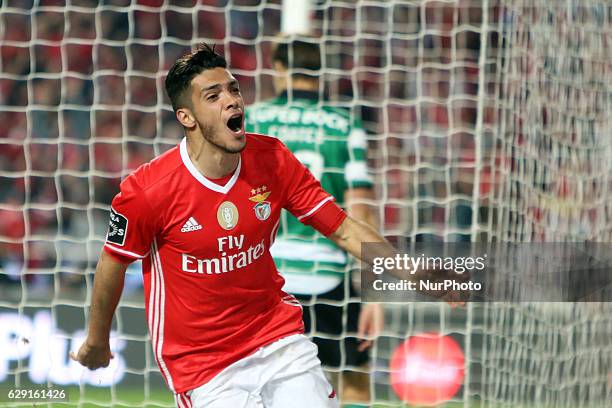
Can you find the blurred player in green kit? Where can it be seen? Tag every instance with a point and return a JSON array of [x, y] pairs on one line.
[[332, 144]]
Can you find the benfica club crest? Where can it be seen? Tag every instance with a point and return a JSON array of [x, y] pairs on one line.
[[262, 208]]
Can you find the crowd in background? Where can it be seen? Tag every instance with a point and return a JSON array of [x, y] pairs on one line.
[[82, 104]]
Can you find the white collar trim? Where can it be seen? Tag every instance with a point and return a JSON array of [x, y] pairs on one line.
[[198, 176]]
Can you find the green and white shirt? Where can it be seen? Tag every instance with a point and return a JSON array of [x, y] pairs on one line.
[[333, 147]]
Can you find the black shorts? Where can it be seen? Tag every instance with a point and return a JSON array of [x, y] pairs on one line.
[[323, 323]]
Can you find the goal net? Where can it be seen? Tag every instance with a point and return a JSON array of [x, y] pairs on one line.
[[550, 154], [485, 120]]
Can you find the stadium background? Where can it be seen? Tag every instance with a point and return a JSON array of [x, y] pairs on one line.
[[486, 120]]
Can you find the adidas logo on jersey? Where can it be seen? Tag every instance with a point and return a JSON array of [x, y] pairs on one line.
[[191, 225]]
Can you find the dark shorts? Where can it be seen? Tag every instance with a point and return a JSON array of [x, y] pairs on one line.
[[324, 325]]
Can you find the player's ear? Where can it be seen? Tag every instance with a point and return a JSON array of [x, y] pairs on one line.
[[280, 77], [185, 117], [278, 66]]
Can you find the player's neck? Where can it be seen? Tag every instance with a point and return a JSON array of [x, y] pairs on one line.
[[211, 162], [308, 85], [299, 84]]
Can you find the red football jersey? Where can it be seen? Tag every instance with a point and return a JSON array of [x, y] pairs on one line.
[[212, 292]]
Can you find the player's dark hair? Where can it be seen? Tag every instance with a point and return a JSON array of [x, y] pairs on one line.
[[303, 54], [186, 68]]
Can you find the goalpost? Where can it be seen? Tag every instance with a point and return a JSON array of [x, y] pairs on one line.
[[487, 121]]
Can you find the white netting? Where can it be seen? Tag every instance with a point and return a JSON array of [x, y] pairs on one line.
[[486, 120], [554, 146], [553, 155]]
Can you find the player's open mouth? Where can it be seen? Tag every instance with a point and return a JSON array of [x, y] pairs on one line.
[[235, 122]]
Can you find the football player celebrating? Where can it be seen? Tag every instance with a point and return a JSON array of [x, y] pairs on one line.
[[202, 218]]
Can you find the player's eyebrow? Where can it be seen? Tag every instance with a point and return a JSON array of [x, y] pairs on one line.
[[218, 86]]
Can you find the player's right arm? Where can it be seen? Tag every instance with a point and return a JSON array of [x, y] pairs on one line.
[[108, 284], [130, 233]]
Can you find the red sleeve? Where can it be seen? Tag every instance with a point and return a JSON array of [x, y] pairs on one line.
[[307, 200], [130, 228], [117, 256]]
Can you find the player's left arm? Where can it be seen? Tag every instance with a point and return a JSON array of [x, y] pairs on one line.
[[359, 202], [352, 232]]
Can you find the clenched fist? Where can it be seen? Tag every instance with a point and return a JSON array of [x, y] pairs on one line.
[[93, 356]]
